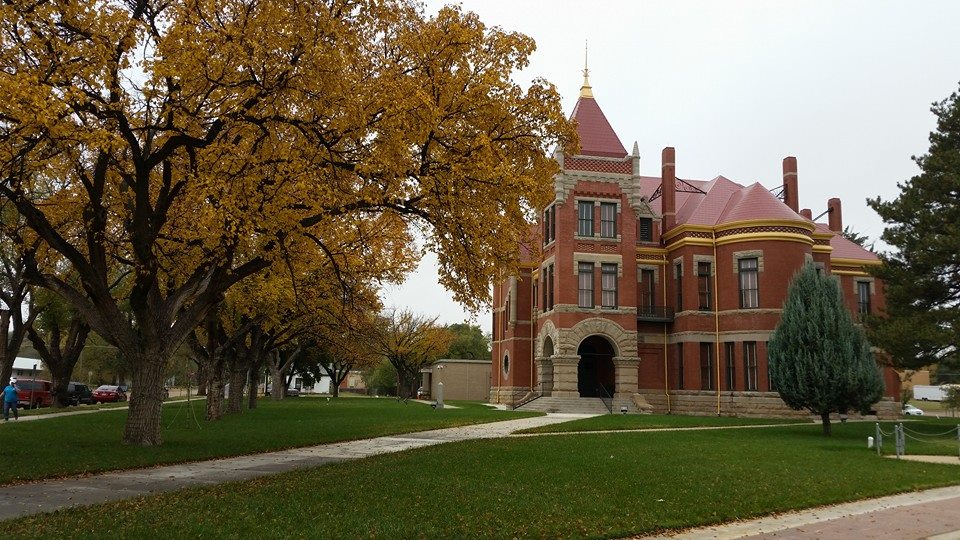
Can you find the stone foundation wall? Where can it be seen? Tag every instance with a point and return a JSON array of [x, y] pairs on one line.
[[508, 394], [744, 404]]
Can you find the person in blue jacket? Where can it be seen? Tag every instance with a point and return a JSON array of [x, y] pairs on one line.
[[10, 401]]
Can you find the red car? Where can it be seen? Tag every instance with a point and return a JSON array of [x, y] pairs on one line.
[[34, 393], [108, 392]]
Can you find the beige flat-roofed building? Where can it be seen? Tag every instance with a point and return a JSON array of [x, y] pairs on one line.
[[462, 379]]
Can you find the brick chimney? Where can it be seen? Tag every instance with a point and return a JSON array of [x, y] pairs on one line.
[[790, 195], [835, 215], [807, 214], [668, 187]]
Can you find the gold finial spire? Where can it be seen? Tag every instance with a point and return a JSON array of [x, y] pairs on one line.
[[586, 90]]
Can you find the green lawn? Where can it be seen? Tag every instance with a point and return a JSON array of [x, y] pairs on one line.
[[91, 442], [596, 485], [924, 436], [609, 422]]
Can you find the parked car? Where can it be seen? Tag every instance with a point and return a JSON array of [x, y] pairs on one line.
[[79, 393], [34, 393], [910, 410], [108, 393]]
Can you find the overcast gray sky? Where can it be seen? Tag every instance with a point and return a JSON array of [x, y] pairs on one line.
[[735, 87]]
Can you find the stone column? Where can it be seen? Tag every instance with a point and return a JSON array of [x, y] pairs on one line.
[[544, 375], [625, 373], [565, 375]]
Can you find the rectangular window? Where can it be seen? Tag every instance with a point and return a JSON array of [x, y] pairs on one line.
[[549, 224], [680, 366], [535, 297], [550, 288], [585, 218], [749, 290], [706, 366], [703, 285], [647, 290], [585, 284], [863, 297], [731, 365], [608, 285], [679, 277], [645, 232], [608, 220], [750, 365], [544, 287]]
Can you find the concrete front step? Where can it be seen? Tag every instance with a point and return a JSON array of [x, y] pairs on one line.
[[566, 405]]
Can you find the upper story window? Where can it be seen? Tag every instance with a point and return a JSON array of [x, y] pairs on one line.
[[863, 297], [647, 290], [608, 285], [585, 284], [703, 285], [547, 287], [608, 220], [585, 218], [749, 283], [549, 224], [645, 229]]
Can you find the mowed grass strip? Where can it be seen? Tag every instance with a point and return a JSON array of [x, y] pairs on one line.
[[88, 443], [616, 422], [573, 486]]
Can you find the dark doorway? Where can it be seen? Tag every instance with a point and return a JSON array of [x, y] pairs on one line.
[[595, 374]]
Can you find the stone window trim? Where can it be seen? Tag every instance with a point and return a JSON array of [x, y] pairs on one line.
[[596, 238], [706, 259], [870, 280], [597, 259], [655, 268], [751, 254], [506, 364], [678, 262]]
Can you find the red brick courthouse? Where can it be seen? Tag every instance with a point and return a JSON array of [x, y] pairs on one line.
[[662, 291]]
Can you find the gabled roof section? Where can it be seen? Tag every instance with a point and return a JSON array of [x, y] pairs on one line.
[[597, 138]]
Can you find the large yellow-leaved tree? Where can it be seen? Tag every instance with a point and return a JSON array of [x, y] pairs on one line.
[[194, 142]]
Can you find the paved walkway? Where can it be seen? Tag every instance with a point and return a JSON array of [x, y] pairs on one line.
[[75, 412], [50, 495], [930, 514]]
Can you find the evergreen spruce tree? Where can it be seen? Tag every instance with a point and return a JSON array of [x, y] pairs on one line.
[[819, 359]]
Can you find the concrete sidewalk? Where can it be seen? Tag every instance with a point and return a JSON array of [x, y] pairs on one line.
[[50, 495], [934, 513], [44, 416]]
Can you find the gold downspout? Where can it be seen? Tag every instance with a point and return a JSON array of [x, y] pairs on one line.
[[716, 314], [666, 370]]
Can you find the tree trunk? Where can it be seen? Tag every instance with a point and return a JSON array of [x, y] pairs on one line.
[[334, 389], [277, 379], [203, 378], [238, 379], [143, 418], [215, 395], [252, 391], [825, 419], [60, 383]]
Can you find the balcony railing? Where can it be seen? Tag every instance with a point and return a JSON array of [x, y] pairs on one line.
[[655, 313]]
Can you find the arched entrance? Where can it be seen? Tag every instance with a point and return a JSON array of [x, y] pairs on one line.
[[595, 373]]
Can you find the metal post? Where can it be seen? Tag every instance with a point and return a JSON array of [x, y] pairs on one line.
[[879, 438]]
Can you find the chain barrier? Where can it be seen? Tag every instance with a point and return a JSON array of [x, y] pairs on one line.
[[901, 433]]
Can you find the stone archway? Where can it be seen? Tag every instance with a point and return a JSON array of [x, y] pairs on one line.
[[596, 376]]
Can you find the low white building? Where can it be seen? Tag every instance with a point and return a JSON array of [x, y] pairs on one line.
[[28, 368]]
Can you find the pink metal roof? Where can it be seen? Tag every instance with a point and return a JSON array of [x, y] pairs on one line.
[[597, 138], [845, 249]]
